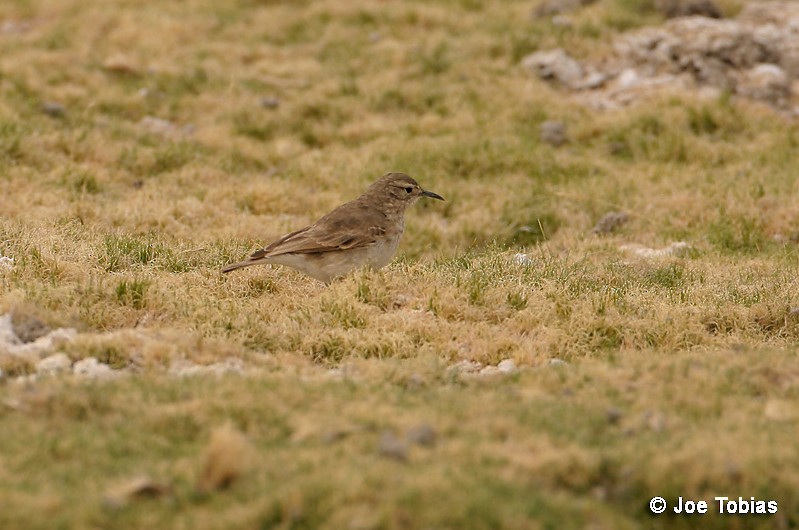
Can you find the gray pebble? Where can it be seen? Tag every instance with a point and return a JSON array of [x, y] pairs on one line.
[[28, 327], [392, 447], [553, 133], [54, 109], [613, 415], [270, 102], [54, 364], [610, 222], [422, 434]]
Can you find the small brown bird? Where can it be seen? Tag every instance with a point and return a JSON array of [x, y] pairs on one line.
[[362, 232]]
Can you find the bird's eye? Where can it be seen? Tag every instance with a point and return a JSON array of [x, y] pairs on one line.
[[408, 189]]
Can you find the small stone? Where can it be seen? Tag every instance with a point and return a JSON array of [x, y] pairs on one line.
[[120, 64], [25, 380], [522, 259], [506, 366], [400, 301], [423, 434], [489, 370], [15, 26], [628, 78], [766, 82], [392, 447], [673, 249], [39, 347], [610, 222], [555, 65], [91, 368], [54, 364], [136, 488], [158, 126], [688, 8], [593, 79], [6, 263], [733, 471], [54, 109], [270, 102], [553, 132], [562, 21], [415, 382], [557, 362], [190, 369], [331, 436], [465, 367], [613, 415], [549, 8], [28, 327], [615, 148], [337, 374]]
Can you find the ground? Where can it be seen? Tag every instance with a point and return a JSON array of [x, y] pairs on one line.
[[144, 145]]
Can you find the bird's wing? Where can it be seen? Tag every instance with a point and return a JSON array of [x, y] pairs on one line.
[[352, 225]]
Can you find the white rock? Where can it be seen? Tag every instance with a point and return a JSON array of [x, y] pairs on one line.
[[555, 65], [557, 362], [189, 369], [522, 259], [465, 367], [165, 127], [54, 364], [553, 132], [91, 368], [7, 335], [755, 55], [10, 343], [655, 253], [766, 82], [507, 366], [592, 80], [43, 345], [25, 380], [628, 78], [489, 370], [6, 263], [563, 21]]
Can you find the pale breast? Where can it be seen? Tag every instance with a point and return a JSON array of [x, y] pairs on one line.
[[383, 252]]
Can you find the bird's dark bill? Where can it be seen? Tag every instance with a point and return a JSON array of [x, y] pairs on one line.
[[432, 195]]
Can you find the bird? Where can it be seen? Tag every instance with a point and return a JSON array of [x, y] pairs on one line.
[[363, 232]]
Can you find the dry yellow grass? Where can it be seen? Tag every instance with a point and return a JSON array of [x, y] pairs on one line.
[[681, 376]]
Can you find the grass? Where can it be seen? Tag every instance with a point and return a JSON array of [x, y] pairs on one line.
[[671, 376]]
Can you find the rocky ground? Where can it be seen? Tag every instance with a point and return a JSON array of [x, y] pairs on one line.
[[754, 55]]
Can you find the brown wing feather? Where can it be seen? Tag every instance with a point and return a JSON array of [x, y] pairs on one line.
[[352, 225]]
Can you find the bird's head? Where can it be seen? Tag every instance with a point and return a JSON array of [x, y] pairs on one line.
[[402, 190]]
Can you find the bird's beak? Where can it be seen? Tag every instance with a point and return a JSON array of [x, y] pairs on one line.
[[432, 195]]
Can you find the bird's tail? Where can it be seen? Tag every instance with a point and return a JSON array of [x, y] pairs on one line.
[[246, 263], [259, 256]]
